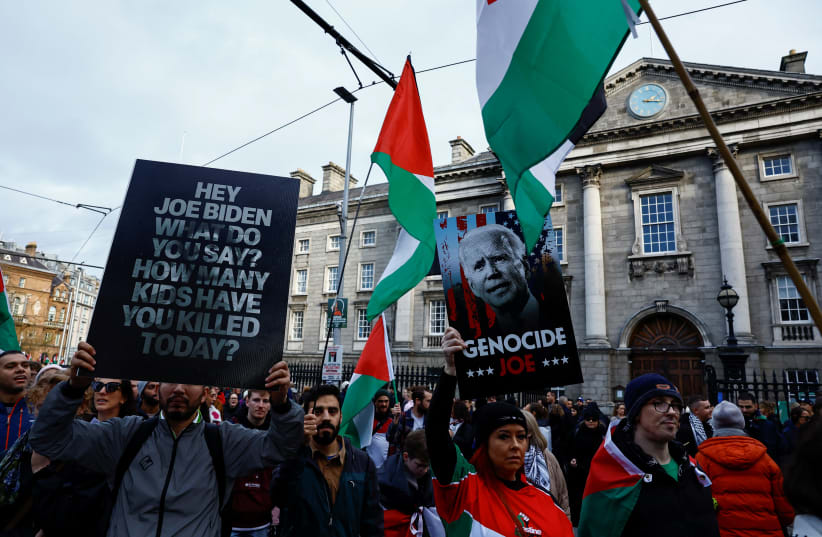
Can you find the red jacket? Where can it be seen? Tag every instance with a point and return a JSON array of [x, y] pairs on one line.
[[747, 485]]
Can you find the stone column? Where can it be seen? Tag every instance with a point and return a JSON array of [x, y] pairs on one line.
[[404, 322], [507, 200], [731, 251], [595, 320]]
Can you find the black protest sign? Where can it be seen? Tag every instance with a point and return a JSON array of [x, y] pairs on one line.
[[509, 306], [196, 284]]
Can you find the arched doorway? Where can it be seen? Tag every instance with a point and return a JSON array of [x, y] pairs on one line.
[[669, 344]]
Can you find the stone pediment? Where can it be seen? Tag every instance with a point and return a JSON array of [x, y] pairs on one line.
[[722, 88], [654, 176]]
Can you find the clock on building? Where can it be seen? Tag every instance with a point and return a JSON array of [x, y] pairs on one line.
[[647, 100]]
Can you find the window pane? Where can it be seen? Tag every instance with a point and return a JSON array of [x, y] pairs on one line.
[[297, 324], [369, 238], [363, 326], [785, 220], [436, 318], [791, 306], [559, 239], [302, 246], [488, 209], [302, 281], [331, 280], [334, 242], [558, 194], [658, 233], [367, 276], [779, 165]]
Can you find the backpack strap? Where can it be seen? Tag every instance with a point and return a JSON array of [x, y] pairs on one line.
[[134, 444], [214, 442]]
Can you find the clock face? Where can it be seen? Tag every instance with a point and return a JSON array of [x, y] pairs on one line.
[[647, 100]]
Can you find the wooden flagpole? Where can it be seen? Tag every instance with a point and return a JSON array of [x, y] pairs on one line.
[[775, 240]]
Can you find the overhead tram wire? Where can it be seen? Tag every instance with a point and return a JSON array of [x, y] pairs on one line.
[[352, 30], [94, 208], [421, 71], [41, 259]]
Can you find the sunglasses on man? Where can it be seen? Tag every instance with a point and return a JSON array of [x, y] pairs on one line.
[[110, 387]]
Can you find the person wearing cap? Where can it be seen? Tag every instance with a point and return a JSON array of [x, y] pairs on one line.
[[642, 482], [15, 417], [585, 442], [149, 402], [747, 483], [488, 495]]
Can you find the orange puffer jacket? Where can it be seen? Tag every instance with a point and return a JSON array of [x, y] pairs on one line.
[[747, 485]]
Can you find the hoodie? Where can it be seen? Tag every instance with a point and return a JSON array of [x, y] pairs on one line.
[[747, 485]]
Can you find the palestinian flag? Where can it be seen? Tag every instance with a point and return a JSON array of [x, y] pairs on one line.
[[8, 336], [404, 154], [374, 369], [611, 492], [540, 68]]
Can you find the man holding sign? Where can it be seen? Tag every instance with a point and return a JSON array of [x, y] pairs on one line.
[[170, 472]]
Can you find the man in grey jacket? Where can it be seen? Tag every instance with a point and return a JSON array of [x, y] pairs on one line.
[[170, 488]]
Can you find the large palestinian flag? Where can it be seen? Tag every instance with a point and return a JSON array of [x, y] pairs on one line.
[[540, 68], [8, 336], [374, 369], [404, 155]]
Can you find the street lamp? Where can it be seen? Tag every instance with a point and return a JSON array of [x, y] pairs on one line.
[[728, 298]]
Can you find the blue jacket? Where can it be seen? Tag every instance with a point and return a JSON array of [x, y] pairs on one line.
[[305, 501], [15, 420]]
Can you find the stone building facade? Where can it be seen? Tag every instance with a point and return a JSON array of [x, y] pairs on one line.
[[650, 223], [51, 301]]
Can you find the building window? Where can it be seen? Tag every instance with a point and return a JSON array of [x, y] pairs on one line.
[[777, 165], [368, 238], [303, 245], [437, 318], [559, 199], [16, 306], [57, 339], [442, 216], [52, 313], [297, 325], [62, 314], [363, 324], [785, 220], [559, 244], [47, 337], [301, 282], [334, 243], [331, 274], [22, 283], [801, 384], [658, 227], [485, 209], [366, 276], [791, 306]]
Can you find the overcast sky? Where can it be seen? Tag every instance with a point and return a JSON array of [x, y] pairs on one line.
[[88, 87]]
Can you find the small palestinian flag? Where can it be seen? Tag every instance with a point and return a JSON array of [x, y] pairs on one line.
[[8, 336], [540, 68], [374, 369]]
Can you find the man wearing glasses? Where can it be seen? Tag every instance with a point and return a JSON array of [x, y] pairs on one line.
[[642, 482]]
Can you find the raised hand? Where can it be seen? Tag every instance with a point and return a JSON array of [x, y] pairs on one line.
[[277, 382], [82, 359], [451, 343]]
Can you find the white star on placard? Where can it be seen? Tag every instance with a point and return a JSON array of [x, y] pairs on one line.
[[546, 362], [480, 372], [470, 373], [556, 361], [564, 359], [490, 370]]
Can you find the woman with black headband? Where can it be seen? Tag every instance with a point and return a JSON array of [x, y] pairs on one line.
[[488, 493]]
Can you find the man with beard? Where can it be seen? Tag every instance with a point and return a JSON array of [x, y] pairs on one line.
[[412, 419], [494, 262], [332, 488], [378, 448], [170, 484], [15, 418], [698, 427], [147, 395]]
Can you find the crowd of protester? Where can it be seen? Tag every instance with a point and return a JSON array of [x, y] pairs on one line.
[[99, 456]]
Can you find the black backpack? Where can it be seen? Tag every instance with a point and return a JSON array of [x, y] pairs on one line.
[[214, 442]]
